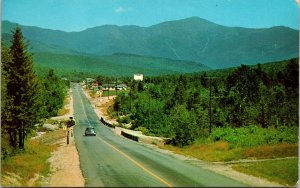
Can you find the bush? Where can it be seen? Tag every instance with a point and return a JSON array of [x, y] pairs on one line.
[[144, 130], [252, 135], [125, 119]]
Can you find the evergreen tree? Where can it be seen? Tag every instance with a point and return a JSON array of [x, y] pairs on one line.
[[6, 58], [23, 100], [5, 112], [54, 94]]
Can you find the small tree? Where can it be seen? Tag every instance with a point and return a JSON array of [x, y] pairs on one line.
[[22, 92], [184, 125]]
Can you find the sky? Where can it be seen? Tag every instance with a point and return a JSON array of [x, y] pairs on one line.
[[77, 15]]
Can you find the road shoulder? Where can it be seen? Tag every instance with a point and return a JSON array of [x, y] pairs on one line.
[[64, 161]]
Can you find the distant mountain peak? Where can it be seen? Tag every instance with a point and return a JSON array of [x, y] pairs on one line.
[[190, 39]]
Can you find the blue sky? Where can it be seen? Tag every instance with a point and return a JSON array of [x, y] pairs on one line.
[[77, 15]]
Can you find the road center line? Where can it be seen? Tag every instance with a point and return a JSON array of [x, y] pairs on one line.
[[137, 163]]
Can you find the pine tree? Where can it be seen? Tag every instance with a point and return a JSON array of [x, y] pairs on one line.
[[54, 94], [22, 92]]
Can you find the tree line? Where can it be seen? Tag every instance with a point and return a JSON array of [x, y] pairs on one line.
[[26, 99], [186, 107]]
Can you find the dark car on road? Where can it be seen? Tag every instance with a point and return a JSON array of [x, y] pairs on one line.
[[90, 131]]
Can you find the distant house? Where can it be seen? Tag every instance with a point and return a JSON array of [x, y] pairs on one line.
[[108, 86], [89, 80], [113, 87], [138, 77], [121, 87], [95, 85]]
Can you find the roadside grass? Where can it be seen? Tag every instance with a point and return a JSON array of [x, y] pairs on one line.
[[62, 111], [111, 93], [283, 171], [52, 121], [215, 151], [271, 151], [222, 151], [34, 159]]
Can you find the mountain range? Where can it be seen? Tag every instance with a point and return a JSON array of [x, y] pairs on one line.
[[192, 39]]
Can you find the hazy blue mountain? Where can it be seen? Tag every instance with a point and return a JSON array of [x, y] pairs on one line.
[[191, 39]]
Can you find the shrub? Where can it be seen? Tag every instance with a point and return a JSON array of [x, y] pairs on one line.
[[144, 130], [125, 119], [252, 135]]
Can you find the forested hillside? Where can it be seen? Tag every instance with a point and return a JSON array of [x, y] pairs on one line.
[[112, 65], [191, 106]]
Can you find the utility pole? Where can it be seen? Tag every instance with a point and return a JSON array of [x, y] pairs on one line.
[[130, 94], [210, 102], [108, 88], [210, 110], [116, 86], [149, 103], [68, 139]]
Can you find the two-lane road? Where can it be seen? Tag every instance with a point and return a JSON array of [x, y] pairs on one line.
[[110, 160]]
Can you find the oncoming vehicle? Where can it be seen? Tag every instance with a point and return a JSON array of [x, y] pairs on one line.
[[90, 131]]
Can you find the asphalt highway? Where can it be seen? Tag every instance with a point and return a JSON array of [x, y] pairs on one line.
[[109, 160]]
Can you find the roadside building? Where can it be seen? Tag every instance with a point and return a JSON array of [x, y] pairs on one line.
[[138, 77], [113, 87], [121, 87], [108, 86]]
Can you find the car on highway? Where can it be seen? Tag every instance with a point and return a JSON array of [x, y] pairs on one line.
[[90, 131]]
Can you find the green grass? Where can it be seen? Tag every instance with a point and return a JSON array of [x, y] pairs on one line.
[[221, 151], [62, 111], [111, 93], [34, 159], [282, 171], [252, 136], [218, 151], [30, 162]]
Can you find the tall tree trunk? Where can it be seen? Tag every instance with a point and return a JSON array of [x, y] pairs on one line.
[[21, 137], [13, 138]]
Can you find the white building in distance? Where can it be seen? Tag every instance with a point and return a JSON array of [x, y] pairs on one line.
[[138, 77]]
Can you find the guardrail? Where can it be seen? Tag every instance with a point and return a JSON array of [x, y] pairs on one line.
[[106, 123], [130, 136]]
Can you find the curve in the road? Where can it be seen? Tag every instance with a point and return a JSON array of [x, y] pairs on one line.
[[111, 160]]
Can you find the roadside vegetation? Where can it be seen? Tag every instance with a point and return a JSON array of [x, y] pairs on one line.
[[283, 171], [27, 100], [31, 165], [226, 105], [249, 112]]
